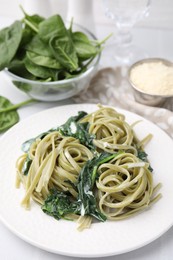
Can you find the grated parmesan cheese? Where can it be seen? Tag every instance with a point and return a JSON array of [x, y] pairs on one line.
[[153, 78]]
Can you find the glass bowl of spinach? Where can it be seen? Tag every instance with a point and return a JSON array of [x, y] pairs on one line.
[[49, 59]]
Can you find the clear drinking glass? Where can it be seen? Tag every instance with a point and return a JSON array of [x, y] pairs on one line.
[[125, 14]]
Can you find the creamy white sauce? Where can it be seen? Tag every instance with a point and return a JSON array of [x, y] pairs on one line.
[[73, 127]]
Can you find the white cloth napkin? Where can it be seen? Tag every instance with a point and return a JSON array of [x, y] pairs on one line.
[[110, 87]]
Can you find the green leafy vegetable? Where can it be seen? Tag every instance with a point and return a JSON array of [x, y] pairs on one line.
[[79, 36], [59, 204], [26, 165], [84, 48], [64, 130], [40, 71], [87, 178], [32, 21], [78, 130], [44, 61], [63, 50], [26, 145], [52, 26], [7, 118], [144, 157], [8, 113], [17, 67], [22, 85], [10, 38], [36, 48], [27, 35]]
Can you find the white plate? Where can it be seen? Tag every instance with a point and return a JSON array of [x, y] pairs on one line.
[[102, 239]]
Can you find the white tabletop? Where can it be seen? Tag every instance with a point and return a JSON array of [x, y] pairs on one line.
[[157, 42]]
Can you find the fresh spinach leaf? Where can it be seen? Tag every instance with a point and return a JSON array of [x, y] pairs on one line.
[[8, 113], [53, 32], [7, 118], [26, 87], [84, 47], [44, 61], [80, 36], [52, 26], [85, 50], [10, 38], [64, 51], [39, 47], [27, 35], [32, 21], [17, 67], [40, 71]]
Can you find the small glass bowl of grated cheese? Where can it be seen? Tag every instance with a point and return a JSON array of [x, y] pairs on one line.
[[152, 81]]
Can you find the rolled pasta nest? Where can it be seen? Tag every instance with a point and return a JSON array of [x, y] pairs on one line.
[[125, 187]]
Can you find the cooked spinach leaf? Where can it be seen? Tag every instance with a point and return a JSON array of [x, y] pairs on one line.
[[26, 165], [144, 157], [78, 130], [86, 182], [59, 205], [64, 130], [27, 144]]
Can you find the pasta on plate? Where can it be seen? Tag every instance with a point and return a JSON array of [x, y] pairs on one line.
[[91, 167]]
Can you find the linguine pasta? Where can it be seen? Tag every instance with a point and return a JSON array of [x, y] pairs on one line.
[[55, 161], [91, 167]]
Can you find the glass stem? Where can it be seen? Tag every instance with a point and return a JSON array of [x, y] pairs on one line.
[[124, 36]]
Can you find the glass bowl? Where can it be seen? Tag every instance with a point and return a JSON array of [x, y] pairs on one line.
[[150, 99], [61, 89]]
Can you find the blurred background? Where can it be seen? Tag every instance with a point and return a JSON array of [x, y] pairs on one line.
[[161, 13]]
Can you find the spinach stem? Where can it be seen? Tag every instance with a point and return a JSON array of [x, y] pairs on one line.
[[105, 39], [23, 11], [14, 107], [30, 25]]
